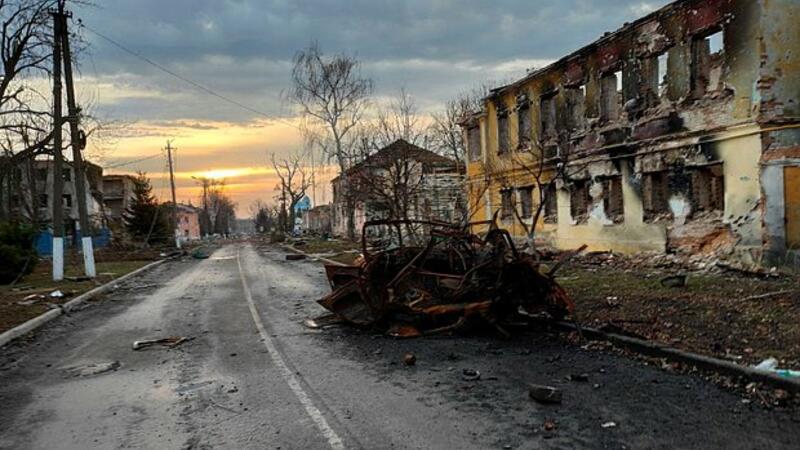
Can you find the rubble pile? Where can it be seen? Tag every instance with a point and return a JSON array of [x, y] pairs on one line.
[[455, 279], [700, 263]]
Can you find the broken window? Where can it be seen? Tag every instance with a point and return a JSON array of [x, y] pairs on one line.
[[474, 142], [576, 101], [502, 131], [526, 200], [610, 96], [662, 74], [524, 121], [707, 58], [42, 200], [67, 174], [708, 190], [547, 109], [507, 204], [41, 174], [655, 196], [550, 204], [579, 201], [612, 199], [654, 73], [66, 200]]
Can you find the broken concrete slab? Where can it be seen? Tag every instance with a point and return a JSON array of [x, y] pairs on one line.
[[169, 342], [87, 370]]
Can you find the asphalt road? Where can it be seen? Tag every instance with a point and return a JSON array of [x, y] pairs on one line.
[[254, 377]]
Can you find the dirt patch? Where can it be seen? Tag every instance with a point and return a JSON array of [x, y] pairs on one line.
[[318, 245], [31, 297], [731, 316], [338, 250]]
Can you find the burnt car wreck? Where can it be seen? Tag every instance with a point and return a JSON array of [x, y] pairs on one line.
[[455, 280]]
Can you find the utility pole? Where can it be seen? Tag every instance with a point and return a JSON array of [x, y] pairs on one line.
[[206, 221], [174, 202], [58, 166], [313, 179], [78, 143]]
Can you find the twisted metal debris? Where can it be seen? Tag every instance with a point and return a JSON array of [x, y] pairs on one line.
[[456, 279]]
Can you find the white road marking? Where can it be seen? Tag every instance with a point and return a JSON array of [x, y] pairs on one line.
[[313, 412]]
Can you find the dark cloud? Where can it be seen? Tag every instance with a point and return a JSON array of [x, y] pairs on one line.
[[243, 48]]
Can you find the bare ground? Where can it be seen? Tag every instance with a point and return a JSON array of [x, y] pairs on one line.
[[720, 313]]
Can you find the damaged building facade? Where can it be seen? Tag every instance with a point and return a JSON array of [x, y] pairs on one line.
[[399, 181], [678, 132]]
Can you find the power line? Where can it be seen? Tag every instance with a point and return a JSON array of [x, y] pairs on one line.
[[193, 83], [133, 161]]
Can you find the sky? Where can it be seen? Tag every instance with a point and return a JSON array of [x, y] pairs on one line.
[[243, 49]]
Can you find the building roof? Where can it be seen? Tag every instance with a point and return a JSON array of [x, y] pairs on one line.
[[401, 149]]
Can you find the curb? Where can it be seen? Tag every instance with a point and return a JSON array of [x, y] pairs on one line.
[[43, 318], [703, 362], [308, 255]]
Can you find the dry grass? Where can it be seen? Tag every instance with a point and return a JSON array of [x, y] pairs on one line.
[[13, 313], [715, 314]]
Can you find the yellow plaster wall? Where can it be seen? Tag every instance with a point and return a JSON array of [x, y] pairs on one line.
[[741, 156], [632, 235]]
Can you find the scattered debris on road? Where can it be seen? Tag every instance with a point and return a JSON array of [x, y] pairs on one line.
[[170, 342], [409, 359], [295, 256], [544, 394], [57, 294], [456, 279], [92, 369], [609, 425]]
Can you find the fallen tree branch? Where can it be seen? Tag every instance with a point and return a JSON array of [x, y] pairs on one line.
[[769, 294]]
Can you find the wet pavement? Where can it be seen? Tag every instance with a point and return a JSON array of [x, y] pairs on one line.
[[254, 377]]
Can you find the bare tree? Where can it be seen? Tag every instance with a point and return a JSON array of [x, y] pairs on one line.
[[392, 183], [221, 208], [401, 119], [263, 216], [445, 131], [219, 211], [547, 170], [332, 95], [26, 38], [293, 184]]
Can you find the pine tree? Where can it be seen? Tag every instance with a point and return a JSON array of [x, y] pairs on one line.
[[145, 219]]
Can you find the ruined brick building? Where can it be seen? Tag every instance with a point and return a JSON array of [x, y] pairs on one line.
[[678, 132]]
